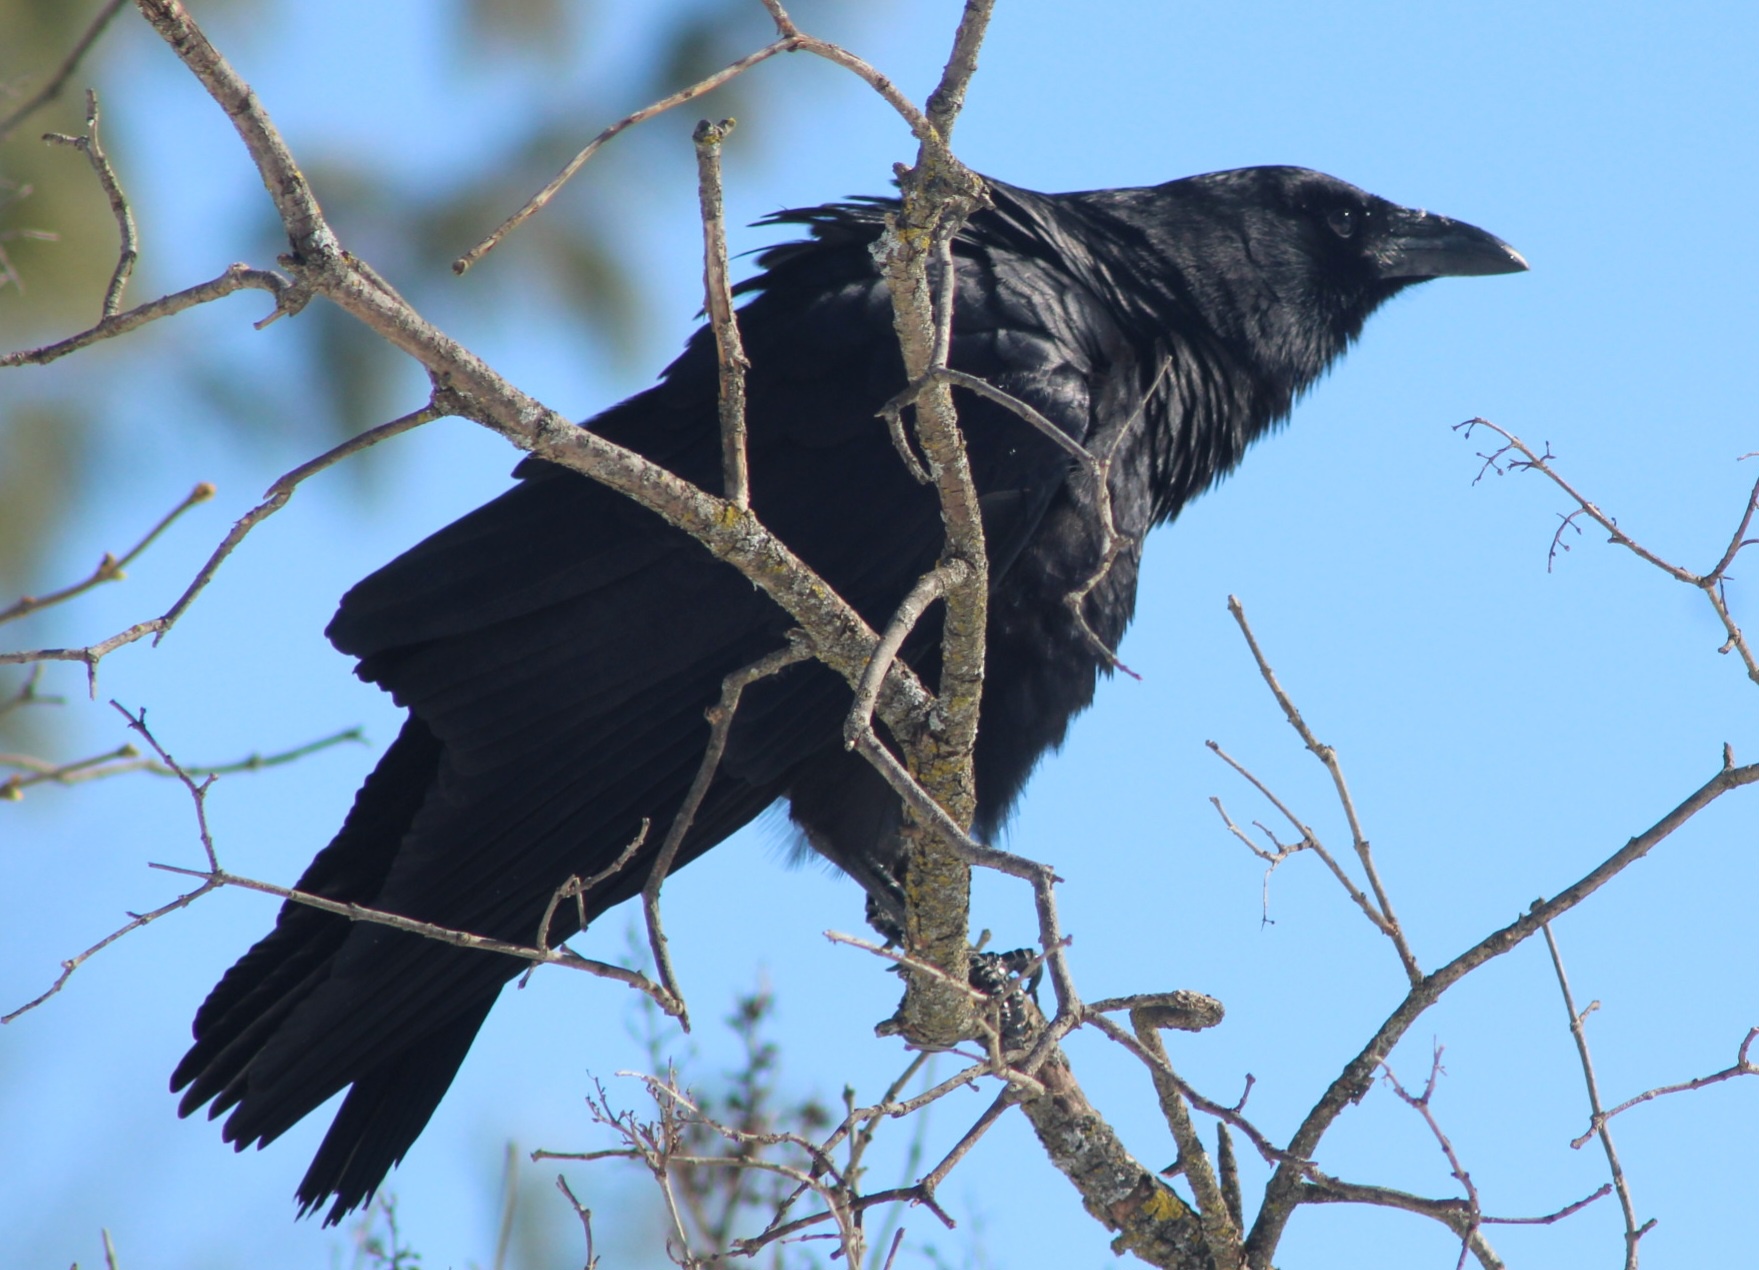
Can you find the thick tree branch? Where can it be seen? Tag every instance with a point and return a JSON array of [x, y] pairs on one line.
[[718, 304]]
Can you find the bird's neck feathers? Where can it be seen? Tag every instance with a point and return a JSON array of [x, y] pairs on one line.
[[1232, 327]]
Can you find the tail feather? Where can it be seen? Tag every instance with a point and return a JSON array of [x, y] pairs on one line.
[[382, 1117]]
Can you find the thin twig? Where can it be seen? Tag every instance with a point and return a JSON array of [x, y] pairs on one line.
[[1421, 1103], [1633, 1232], [1566, 1211], [110, 567], [1357, 1076], [27, 694], [938, 1174], [1389, 921], [58, 79], [1743, 1067], [278, 494], [126, 759], [214, 878], [1309, 840], [1452, 1213], [585, 1215], [541, 199], [1711, 583], [93, 150], [720, 717], [238, 277]]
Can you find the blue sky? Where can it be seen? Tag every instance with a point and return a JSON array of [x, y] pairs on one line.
[[1504, 727]]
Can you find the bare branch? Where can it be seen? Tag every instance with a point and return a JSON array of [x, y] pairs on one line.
[[237, 277], [137, 920], [1711, 583], [929, 588], [1386, 919], [278, 494], [1354, 1081], [1743, 1067], [126, 759], [110, 567], [27, 694], [720, 717], [1422, 1105], [1452, 1213], [948, 98], [1220, 1230], [729, 349], [59, 78], [542, 198], [919, 124], [1633, 1232], [1309, 841], [93, 149], [585, 1215], [214, 878], [1229, 1115]]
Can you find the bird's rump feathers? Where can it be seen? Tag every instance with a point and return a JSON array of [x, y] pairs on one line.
[[557, 648]]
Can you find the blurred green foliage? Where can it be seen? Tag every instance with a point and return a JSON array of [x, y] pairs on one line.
[[58, 236]]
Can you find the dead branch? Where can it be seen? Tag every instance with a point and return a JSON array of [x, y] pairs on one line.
[[126, 759], [1354, 1081], [1711, 583], [214, 878], [439, 405], [1381, 913], [93, 149], [720, 717], [718, 304], [1422, 1104], [1633, 1232], [110, 568], [237, 277], [1743, 1067], [1220, 1230]]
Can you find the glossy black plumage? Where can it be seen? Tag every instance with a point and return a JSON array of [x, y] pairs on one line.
[[557, 647]]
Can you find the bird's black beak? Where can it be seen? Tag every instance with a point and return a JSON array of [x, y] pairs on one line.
[[1424, 245]]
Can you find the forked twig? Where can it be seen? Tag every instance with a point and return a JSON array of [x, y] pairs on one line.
[[1711, 583], [1633, 1231], [1381, 912], [440, 404], [93, 149], [110, 568]]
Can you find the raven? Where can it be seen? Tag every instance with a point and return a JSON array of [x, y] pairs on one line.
[[557, 647]]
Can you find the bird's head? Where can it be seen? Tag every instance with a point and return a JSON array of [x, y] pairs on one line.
[[1287, 263]]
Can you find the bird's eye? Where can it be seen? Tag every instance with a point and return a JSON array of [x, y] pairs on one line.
[[1342, 221]]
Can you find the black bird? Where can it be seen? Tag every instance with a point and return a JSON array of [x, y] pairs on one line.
[[557, 647]]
